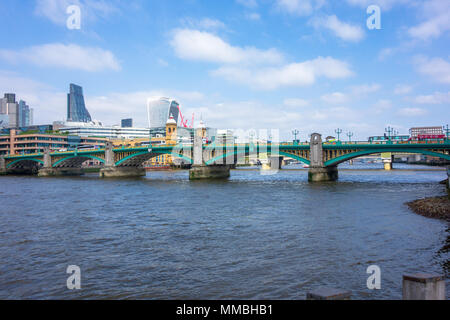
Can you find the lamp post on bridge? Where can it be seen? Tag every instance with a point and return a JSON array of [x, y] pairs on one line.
[[338, 132], [389, 131], [295, 133], [350, 135]]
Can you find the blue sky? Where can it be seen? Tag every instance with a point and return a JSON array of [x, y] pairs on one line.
[[311, 65]]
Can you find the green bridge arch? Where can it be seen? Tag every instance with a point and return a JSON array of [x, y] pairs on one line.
[[341, 159], [155, 154], [234, 153], [20, 160], [78, 156]]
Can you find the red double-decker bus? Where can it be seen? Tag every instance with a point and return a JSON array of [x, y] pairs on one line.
[[427, 133]]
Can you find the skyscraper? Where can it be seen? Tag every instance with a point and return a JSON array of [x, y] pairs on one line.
[[10, 97], [127, 123], [159, 111], [3, 102], [76, 109], [11, 108], [24, 114]]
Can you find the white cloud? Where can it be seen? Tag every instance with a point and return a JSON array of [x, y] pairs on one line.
[[411, 112], [343, 30], [435, 98], [335, 98], [162, 62], [248, 3], [55, 10], [386, 52], [365, 89], [204, 24], [203, 46], [437, 17], [290, 75], [299, 7], [381, 106], [295, 103], [252, 66], [69, 56], [253, 16], [402, 89], [437, 69]]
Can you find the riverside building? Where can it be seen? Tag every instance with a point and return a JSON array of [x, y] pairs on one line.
[[30, 142]]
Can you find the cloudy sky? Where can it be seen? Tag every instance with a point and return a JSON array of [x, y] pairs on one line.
[[311, 65]]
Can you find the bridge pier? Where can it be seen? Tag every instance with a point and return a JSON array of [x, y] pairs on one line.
[[122, 172], [200, 171], [111, 171], [209, 172], [323, 174], [318, 172], [388, 159], [60, 172], [274, 163]]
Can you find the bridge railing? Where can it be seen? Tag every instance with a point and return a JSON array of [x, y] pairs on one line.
[[213, 145]]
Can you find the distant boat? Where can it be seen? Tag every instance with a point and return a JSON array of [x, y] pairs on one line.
[[306, 166]]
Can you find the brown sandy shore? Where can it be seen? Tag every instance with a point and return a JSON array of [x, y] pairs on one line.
[[436, 207]]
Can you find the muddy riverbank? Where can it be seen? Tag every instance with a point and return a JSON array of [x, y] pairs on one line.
[[435, 207]]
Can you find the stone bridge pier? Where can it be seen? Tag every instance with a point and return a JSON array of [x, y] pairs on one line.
[[318, 172], [112, 171], [49, 171], [273, 163], [199, 170]]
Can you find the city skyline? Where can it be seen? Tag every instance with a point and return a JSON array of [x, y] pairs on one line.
[[13, 113], [306, 65]]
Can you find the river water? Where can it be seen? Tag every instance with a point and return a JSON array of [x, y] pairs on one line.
[[251, 237]]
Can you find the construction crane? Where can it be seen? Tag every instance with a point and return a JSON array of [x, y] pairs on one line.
[[184, 122]]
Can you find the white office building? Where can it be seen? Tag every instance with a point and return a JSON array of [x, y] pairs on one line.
[[96, 129]]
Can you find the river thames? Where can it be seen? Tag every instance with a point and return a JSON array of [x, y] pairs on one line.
[[250, 237]]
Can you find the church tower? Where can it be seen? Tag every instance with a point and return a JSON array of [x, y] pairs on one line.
[[171, 131]]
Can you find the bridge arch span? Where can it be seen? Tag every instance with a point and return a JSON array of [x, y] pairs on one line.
[[233, 154], [75, 161], [21, 163], [362, 153], [139, 158]]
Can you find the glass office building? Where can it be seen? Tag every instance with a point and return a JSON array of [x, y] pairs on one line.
[[159, 111], [127, 123], [25, 114], [76, 109], [4, 120]]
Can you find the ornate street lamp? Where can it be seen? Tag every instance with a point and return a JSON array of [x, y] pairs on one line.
[[350, 135], [295, 134], [338, 132]]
